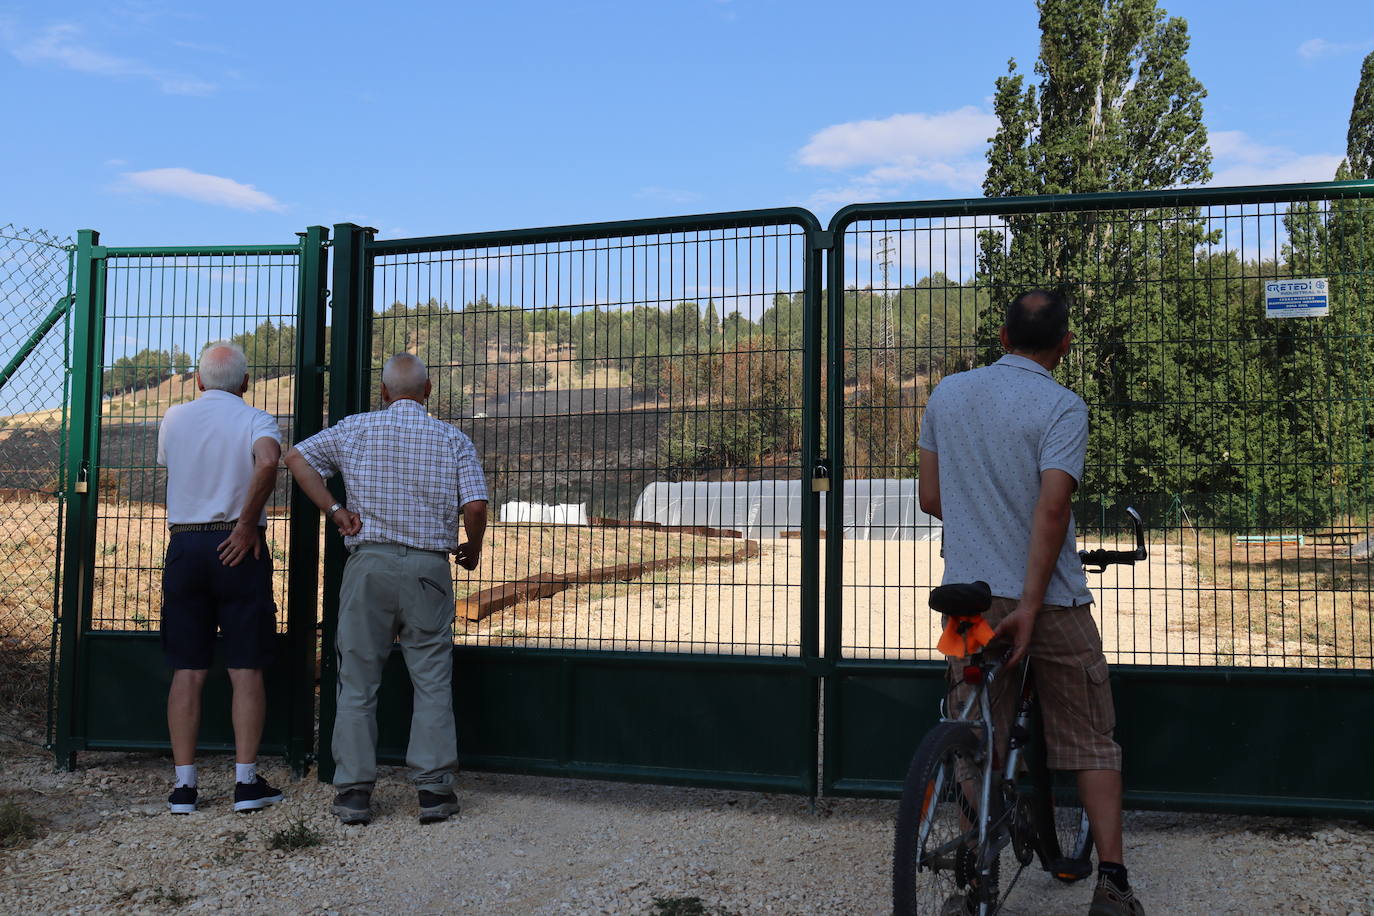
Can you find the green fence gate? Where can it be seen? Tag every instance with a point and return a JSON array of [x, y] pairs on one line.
[[140, 318], [590, 365], [700, 440], [1242, 650]]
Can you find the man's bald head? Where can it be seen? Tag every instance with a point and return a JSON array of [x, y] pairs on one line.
[[1037, 320], [222, 367], [405, 376]]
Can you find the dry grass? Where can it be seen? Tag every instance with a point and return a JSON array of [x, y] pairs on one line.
[[1284, 604], [28, 552], [1220, 602], [131, 541]]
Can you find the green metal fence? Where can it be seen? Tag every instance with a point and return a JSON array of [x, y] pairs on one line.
[[141, 318], [635, 391], [34, 299], [1245, 641], [702, 451]]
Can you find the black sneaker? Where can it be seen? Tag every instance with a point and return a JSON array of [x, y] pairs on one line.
[[182, 800], [252, 796], [353, 806], [437, 806]]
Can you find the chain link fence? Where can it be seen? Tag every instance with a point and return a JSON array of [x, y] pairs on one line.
[[34, 320]]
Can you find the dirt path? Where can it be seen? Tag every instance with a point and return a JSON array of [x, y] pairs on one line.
[[527, 845]]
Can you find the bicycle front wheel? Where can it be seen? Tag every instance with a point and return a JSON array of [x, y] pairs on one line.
[[935, 851]]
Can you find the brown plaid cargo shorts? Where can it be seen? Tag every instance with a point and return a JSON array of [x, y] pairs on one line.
[[1071, 679]]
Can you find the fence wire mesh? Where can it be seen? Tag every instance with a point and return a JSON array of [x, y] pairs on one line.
[[636, 403], [33, 296], [1244, 439], [160, 311]]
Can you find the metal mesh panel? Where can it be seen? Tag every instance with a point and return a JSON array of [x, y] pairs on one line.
[[160, 311], [33, 291], [609, 384], [1245, 439]]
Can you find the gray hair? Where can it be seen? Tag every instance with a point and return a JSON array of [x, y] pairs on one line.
[[223, 366], [404, 376]]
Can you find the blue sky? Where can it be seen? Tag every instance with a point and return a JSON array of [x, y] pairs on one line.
[[164, 123]]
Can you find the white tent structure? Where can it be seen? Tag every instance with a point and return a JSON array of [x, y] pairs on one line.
[[874, 510]]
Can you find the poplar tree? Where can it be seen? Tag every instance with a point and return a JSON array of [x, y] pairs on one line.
[[1114, 107], [1359, 140]]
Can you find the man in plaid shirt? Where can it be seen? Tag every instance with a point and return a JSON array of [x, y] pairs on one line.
[[409, 479]]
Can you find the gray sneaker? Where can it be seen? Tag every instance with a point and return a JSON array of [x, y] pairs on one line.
[[437, 806], [1109, 901], [353, 806]]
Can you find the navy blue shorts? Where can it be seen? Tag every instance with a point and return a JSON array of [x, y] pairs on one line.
[[200, 595]]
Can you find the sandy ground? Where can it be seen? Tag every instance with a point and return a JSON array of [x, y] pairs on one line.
[[1147, 614]]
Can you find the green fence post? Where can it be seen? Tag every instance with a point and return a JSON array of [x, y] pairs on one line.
[[815, 470], [80, 494], [349, 358], [304, 539]]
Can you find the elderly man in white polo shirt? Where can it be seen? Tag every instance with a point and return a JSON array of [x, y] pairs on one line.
[[221, 457], [411, 480], [1002, 450]]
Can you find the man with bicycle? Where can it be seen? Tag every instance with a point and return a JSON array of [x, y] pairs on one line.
[[1015, 442]]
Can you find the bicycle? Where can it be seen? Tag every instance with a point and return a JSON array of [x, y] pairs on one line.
[[945, 851]]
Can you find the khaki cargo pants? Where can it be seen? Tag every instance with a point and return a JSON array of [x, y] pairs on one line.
[[395, 593], [1070, 674]]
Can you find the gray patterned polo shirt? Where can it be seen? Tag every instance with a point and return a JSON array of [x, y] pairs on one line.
[[995, 429]]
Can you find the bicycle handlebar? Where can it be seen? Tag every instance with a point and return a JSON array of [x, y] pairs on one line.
[[1099, 560]]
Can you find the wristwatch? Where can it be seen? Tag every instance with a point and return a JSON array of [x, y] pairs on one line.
[[332, 509]]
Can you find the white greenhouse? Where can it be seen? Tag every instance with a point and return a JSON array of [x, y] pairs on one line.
[[874, 510]]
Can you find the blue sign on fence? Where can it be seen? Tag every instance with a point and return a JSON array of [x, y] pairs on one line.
[[1295, 298]]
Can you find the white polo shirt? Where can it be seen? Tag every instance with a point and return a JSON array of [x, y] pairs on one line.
[[995, 429], [207, 448]]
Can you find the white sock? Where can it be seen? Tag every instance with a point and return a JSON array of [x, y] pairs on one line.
[[186, 776], [246, 772]]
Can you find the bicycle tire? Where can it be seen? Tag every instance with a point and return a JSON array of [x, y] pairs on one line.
[[1063, 839], [928, 871]]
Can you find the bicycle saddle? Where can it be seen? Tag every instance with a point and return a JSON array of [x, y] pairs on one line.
[[961, 599]]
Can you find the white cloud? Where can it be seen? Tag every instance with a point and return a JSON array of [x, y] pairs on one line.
[[208, 189], [61, 45], [1317, 48], [1239, 160], [900, 139], [893, 153]]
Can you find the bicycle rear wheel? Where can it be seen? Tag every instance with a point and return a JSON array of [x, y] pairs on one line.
[[1063, 839], [934, 853]]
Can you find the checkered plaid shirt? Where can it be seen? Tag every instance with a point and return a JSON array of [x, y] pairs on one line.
[[407, 474]]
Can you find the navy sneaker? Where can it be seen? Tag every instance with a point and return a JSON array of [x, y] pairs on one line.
[[182, 800], [353, 806], [437, 806], [255, 795]]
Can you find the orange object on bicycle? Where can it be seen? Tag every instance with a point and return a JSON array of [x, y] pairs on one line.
[[963, 604], [964, 636]]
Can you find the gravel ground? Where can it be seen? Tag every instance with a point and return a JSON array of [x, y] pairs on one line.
[[547, 846]]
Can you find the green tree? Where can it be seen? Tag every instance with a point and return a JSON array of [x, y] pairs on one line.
[[1116, 108], [1359, 140]]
